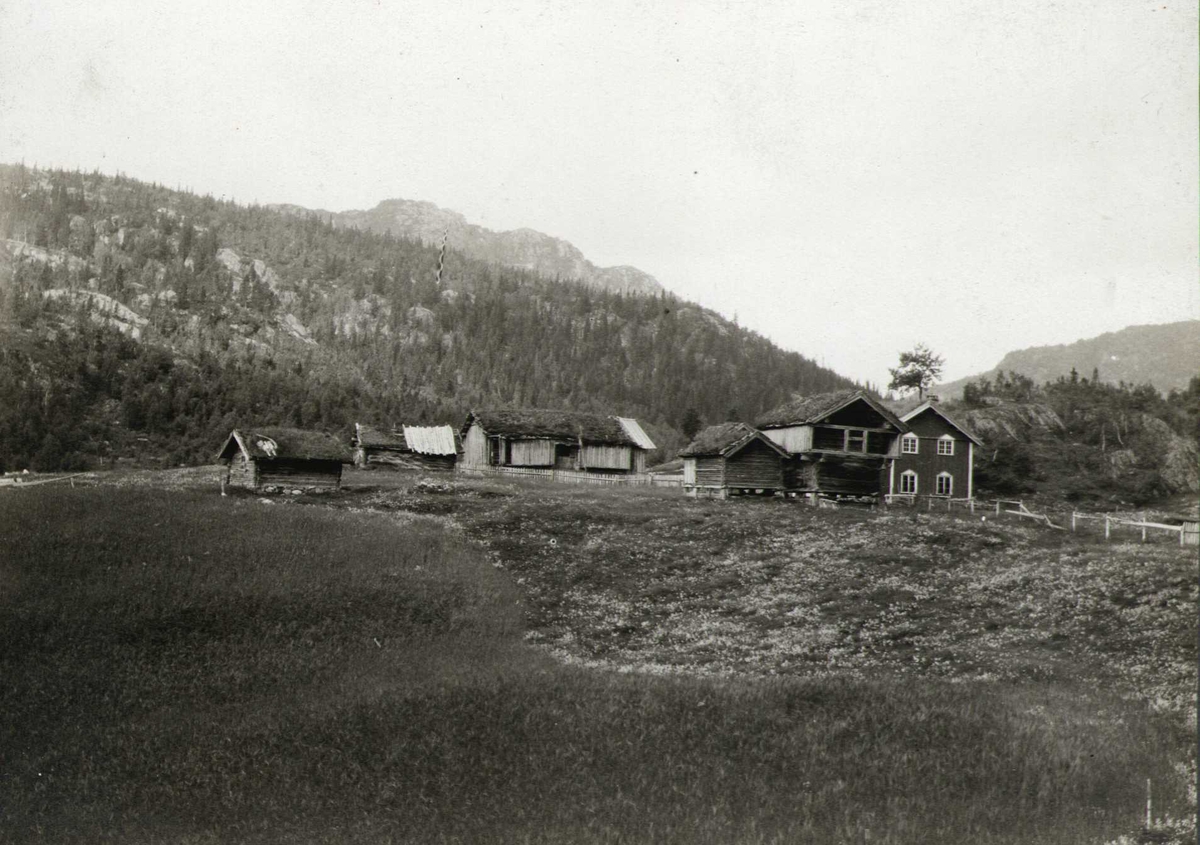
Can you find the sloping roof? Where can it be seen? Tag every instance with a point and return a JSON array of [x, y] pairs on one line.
[[726, 439], [423, 439], [285, 443], [430, 439], [933, 406], [567, 426], [635, 432], [672, 466], [812, 409], [369, 435]]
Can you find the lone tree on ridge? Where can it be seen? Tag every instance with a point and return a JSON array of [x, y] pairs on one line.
[[919, 368]]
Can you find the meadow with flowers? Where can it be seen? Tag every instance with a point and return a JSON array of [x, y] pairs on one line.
[[447, 660]]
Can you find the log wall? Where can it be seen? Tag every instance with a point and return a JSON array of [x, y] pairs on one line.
[[283, 472], [756, 465]]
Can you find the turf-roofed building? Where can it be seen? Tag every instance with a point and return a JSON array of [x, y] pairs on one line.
[[840, 444], [283, 457], [565, 440], [732, 458], [432, 447]]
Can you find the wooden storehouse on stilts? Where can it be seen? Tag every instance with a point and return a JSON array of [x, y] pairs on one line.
[[840, 444], [732, 458], [410, 447], [283, 458]]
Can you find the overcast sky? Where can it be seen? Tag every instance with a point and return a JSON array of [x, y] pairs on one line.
[[848, 178]]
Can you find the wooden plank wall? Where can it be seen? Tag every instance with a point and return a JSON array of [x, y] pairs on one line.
[[639, 460], [689, 470], [241, 472], [532, 453], [796, 438], [606, 457], [475, 447]]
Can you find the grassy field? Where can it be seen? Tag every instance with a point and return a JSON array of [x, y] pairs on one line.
[[410, 662]]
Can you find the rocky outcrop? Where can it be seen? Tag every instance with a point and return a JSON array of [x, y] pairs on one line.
[[103, 309], [1012, 421], [527, 249]]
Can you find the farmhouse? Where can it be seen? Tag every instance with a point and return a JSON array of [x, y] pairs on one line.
[[729, 458], [936, 456], [283, 457], [839, 444], [410, 447], [554, 440]]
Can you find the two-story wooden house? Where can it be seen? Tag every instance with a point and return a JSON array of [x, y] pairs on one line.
[[936, 456], [839, 444]]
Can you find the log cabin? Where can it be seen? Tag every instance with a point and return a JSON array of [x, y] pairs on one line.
[[732, 458], [839, 444], [565, 440], [409, 447], [283, 457], [936, 457]]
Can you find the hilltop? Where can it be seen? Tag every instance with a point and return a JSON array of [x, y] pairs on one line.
[[1165, 356], [524, 248], [142, 322]]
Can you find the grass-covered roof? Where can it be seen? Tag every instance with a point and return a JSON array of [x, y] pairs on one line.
[[568, 426], [290, 443], [806, 410]]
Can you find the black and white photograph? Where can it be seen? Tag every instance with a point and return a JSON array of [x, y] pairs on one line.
[[646, 422]]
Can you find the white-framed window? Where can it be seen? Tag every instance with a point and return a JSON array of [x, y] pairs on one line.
[[945, 445], [945, 484], [910, 444], [908, 481]]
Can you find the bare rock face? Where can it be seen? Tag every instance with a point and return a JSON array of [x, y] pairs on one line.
[[527, 249], [1181, 461], [1012, 421]]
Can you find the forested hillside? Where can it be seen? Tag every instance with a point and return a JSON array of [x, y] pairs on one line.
[[1084, 440], [144, 322]]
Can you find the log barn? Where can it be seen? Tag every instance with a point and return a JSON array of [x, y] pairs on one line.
[[732, 458], [839, 444], [565, 440], [936, 457], [283, 457], [409, 447]]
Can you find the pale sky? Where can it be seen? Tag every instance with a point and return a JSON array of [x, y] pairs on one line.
[[848, 178]]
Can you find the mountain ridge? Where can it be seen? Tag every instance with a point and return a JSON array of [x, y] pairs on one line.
[[522, 248], [1165, 355]]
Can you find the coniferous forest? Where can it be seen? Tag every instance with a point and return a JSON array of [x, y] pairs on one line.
[[142, 323]]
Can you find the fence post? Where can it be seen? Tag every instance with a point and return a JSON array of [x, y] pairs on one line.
[[1072, 522], [972, 506], [1107, 529], [997, 507]]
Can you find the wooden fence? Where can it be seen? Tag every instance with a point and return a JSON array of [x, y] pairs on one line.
[[566, 476], [1189, 532]]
